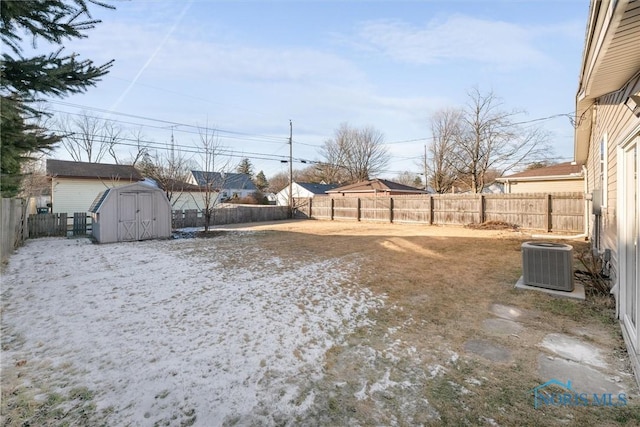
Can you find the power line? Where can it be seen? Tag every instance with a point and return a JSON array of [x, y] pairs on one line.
[[168, 123]]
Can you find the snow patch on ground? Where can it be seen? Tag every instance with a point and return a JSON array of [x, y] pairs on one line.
[[162, 333]]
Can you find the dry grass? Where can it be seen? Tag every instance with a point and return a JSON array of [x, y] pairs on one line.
[[441, 283]]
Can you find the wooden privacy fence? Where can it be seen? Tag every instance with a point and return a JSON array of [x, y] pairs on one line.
[[59, 224], [229, 215], [14, 226], [563, 212]]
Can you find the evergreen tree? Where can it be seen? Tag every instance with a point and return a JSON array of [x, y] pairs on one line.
[[23, 80], [245, 167], [261, 181]]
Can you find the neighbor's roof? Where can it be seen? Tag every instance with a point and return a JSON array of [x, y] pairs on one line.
[[567, 170], [175, 185], [374, 185], [68, 169], [316, 188], [232, 181]]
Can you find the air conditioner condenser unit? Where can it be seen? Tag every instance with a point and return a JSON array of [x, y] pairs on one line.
[[548, 265]]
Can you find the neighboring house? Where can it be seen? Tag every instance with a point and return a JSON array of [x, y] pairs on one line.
[[303, 190], [185, 196], [374, 187], [560, 178], [493, 188], [607, 141], [74, 185], [230, 185], [272, 198]]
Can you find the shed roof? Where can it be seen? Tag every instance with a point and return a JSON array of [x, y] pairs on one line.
[[68, 169], [136, 186], [374, 185]]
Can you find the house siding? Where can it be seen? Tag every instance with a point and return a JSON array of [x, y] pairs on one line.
[[189, 200], [69, 195], [544, 186], [282, 198], [613, 121]]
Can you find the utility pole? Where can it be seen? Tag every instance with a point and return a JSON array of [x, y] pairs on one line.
[[426, 177], [290, 169]]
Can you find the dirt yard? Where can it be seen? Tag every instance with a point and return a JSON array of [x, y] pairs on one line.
[[290, 323]]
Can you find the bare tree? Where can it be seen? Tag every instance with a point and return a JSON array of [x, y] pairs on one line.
[[170, 170], [446, 130], [84, 138], [35, 181], [112, 136], [279, 181], [491, 140], [353, 154], [214, 168], [407, 178], [141, 148]]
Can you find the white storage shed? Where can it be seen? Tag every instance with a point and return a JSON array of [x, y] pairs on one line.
[[131, 212]]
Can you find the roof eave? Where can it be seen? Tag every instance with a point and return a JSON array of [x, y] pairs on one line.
[[595, 81], [576, 177]]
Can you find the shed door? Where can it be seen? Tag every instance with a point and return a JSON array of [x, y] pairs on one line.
[[145, 216], [128, 222], [136, 216]]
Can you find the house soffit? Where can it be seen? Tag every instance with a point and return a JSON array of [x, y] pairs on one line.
[[617, 58]]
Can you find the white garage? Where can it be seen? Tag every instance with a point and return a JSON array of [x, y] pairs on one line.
[[129, 213]]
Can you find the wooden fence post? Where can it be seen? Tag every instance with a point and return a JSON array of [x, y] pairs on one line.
[[390, 209], [358, 207], [310, 207], [548, 207], [481, 209], [431, 207], [331, 206]]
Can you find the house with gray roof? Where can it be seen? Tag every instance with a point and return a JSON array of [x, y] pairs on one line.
[[228, 185]]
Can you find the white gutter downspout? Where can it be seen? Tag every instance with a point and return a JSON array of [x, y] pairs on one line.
[[586, 201]]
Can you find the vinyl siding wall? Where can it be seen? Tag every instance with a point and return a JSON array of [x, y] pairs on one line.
[[613, 121], [565, 186], [189, 200], [282, 197], [69, 195]]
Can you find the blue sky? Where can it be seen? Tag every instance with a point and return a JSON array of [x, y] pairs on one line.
[[248, 67]]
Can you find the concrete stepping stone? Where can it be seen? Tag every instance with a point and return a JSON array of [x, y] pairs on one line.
[[508, 312], [488, 350], [585, 379], [574, 349], [502, 326]]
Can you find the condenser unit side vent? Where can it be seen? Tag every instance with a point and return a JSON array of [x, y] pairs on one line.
[[548, 265]]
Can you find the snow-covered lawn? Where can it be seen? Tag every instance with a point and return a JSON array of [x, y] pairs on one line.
[[201, 331]]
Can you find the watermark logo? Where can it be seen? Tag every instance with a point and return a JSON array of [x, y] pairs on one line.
[[557, 393]]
